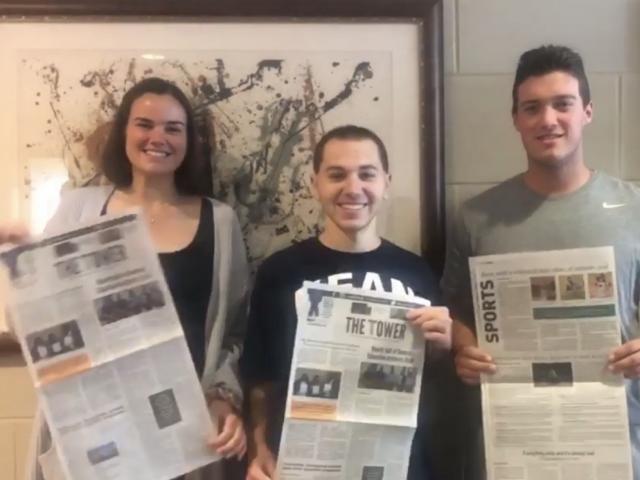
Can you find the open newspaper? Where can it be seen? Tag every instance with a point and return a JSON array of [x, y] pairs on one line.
[[552, 411], [107, 354], [354, 386]]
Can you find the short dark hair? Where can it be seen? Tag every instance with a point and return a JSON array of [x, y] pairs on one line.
[[349, 132], [190, 177], [548, 59]]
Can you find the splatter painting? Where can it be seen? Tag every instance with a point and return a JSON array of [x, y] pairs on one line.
[[260, 117]]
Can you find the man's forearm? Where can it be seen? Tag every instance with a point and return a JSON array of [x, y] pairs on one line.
[[258, 397], [463, 336]]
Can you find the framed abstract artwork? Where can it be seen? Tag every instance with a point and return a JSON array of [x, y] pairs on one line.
[[266, 78]]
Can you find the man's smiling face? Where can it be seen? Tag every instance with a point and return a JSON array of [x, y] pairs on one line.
[[350, 184], [550, 116]]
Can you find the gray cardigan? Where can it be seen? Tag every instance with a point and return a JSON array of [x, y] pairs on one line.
[[226, 314]]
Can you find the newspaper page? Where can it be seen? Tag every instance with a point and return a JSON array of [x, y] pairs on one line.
[[552, 410], [354, 386], [107, 354]]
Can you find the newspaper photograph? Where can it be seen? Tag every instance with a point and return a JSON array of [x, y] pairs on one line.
[[354, 387], [552, 410], [107, 354]]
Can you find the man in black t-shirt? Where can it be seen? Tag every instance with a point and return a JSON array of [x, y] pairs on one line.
[[351, 180]]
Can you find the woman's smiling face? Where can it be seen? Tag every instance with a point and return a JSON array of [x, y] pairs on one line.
[[156, 135]]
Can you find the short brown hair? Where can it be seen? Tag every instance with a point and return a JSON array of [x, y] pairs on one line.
[[349, 132]]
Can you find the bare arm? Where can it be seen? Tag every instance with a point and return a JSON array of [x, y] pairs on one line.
[[463, 336], [470, 361], [262, 463]]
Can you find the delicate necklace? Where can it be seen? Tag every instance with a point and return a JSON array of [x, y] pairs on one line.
[[153, 219], [162, 208]]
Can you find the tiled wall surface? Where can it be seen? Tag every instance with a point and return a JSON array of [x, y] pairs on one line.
[[483, 40]]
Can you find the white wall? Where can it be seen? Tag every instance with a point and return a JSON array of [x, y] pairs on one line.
[[17, 404], [483, 40]]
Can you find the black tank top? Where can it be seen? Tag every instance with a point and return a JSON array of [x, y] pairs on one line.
[[189, 275]]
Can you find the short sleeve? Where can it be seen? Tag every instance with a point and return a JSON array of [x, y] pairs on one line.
[[456, 282]]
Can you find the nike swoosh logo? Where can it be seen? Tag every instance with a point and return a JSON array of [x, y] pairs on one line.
[[612, 205]]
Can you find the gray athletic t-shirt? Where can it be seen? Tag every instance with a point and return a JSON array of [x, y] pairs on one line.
[[512, 218]]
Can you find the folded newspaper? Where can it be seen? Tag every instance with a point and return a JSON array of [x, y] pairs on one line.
[[107, 354], [354, 387], [552, 410]]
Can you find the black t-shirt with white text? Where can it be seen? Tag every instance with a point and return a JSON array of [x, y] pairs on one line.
[[272, 321]]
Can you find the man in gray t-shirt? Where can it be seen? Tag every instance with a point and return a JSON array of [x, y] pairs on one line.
[[557, 203]]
